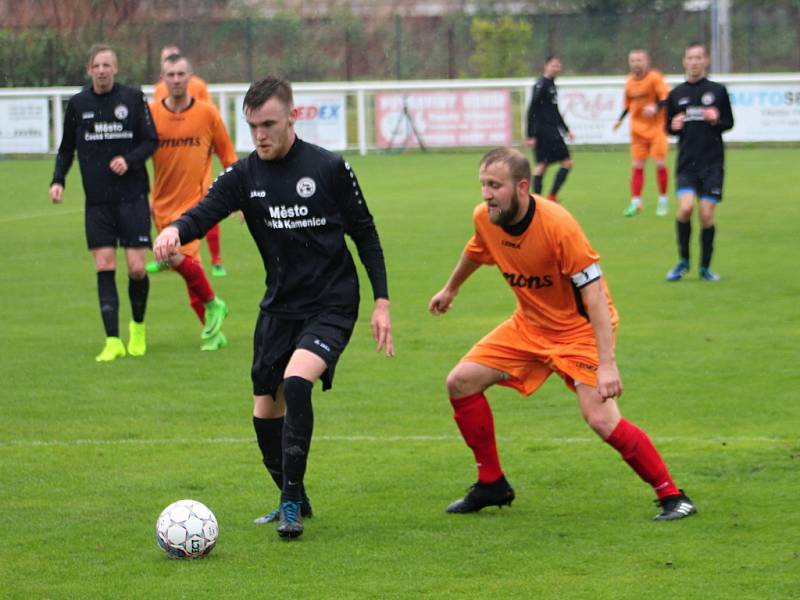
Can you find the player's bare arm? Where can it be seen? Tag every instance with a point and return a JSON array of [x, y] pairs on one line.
[[381, 324], [609, 383], [677, 121], [167, 243], [57, 193], [442, 301]]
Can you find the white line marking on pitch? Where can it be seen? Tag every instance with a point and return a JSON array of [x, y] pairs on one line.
[[382, 439], [70, 211]]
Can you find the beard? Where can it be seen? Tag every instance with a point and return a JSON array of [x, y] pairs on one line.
[[505, 217]]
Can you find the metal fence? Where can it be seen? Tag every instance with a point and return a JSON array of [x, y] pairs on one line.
[[765, 37]]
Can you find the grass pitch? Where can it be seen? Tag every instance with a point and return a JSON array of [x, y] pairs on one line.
[[90, 453]]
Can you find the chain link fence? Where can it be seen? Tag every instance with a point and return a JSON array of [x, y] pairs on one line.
[[765, 38]]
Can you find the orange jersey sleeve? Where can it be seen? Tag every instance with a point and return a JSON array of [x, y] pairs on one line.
[[640, 92], [160, 91], [198, 89], [538, 265], [182, 163]]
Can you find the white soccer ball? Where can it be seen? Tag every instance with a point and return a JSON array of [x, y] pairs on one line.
[[187, 529]]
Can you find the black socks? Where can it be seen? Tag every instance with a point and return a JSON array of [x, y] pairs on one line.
[[297, 429], [137, 292], [109, 302]]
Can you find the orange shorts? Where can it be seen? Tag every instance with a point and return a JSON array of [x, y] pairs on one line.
[[529, 357], [649, 147], [191, 249]]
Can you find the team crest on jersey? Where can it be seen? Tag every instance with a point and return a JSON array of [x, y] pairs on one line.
[[707, 99], [121, 111], [306, 187]]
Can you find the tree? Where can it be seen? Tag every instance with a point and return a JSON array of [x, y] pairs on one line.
[[500, 47]]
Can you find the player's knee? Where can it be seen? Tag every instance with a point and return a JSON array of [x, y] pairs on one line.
[[567, 164], [265, 407], [601, 422], [459, 384], [137, 272]]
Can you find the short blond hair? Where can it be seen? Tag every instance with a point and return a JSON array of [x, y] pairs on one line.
[[97, 49]]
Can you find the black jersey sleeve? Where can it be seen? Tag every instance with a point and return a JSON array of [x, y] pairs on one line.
[[360, 226], [536, 98], [224, 197], [672, 110], [725, 111], [145, 134], [66, 151]]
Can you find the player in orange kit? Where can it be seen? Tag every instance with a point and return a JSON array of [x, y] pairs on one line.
[[564, 323], [197, 86], [199, 91], [645, 98], [189, 130]]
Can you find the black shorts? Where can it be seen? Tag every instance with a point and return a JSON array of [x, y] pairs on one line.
[[705, 182], [276, 338], [126, 223], [550, 148]]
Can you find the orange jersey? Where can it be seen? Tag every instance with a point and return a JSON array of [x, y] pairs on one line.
[[182, 163], [650, 89], [197, 89], [539, 265]]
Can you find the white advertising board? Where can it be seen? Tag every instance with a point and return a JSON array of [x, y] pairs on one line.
[[24, 125], [764, 112], [321, 120], [443, 119], [590, 113]]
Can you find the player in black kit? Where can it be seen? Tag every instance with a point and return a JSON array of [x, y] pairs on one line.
[[546, 130], [698, 111], [298, 201], [110, 126]]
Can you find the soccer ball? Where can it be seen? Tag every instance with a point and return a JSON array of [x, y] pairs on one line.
[[187, 529]]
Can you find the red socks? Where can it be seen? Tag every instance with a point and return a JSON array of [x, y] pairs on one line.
[[474, 419], [637, 182], [198, 306], [212, 237], [200, 292], [661, 175], [640, 453]]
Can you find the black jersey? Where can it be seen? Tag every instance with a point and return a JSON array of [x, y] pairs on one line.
[[100, 127], [298, 209], [699, 142], [544, 118]]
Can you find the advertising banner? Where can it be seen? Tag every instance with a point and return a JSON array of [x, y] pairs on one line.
[[764, 112], [322, 120], [590, 113], [24, 125], [443, 119]]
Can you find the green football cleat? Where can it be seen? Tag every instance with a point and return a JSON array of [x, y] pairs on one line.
[[632, 210], [218, 270], [112, 350], [218, 342], [137, 345], [216, 311], [661, 209], [156, 267]]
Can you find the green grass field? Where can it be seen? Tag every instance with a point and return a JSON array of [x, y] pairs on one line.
[[90, 453]]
